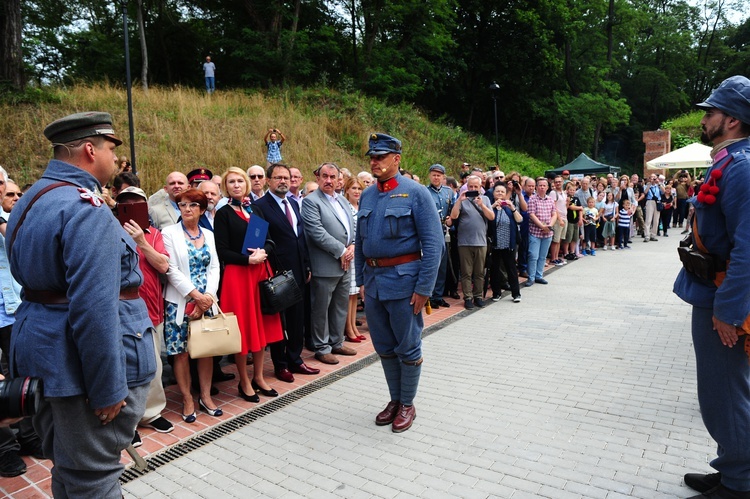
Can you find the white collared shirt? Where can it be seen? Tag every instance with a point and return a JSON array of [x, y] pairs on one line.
[[341, 214], [279, 201]]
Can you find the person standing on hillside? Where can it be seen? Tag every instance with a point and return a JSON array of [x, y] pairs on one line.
[[714, 282], [274, 139], [209, 72], [399, 243]]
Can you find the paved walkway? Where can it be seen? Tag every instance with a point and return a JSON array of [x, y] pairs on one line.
[[584, 389]]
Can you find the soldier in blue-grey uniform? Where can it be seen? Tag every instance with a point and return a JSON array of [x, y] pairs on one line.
[[442, 196], [714, 281], [81, 326], [398, 248]]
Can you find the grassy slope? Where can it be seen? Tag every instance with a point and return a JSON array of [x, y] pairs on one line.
[[181, 129]]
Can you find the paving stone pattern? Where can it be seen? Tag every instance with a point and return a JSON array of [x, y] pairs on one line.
[[585, 389]]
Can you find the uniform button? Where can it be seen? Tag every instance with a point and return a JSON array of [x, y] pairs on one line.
[[138, 335]]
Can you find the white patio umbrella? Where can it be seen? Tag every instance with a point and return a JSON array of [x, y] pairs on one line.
[[694, 156]]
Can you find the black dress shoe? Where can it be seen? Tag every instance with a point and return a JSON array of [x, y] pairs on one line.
[[454, 295], [703, 482], [434, 304], [267, 393], [220, 376], [244, 396], [443, 303], [721, 492], [31, 447], [11, 464]]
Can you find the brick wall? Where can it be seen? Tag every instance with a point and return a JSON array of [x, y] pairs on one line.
[[658, 143]]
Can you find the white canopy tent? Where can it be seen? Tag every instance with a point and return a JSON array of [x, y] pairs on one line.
[[694, 156]]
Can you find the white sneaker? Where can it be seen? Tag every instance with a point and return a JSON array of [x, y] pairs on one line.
[[604, 248], [611, 248]]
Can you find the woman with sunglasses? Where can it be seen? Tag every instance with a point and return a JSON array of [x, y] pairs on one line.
[[193, 279]]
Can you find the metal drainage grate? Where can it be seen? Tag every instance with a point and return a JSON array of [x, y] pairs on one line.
[[165, 457]]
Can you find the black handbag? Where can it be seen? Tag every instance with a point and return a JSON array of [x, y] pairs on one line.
[[279, 292]]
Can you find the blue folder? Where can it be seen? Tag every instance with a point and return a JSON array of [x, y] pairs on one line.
[[255, 236]]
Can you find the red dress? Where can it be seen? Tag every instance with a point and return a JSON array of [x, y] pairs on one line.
[[239, 294]]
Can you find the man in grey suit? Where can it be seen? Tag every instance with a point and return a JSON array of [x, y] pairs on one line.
[[329, 232], [163, 209]]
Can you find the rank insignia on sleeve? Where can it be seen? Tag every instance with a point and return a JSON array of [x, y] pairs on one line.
[[91, 197]]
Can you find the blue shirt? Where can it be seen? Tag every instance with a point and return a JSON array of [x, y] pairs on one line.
[[274, 151], [10, 297], [443, 198], [653, 193]]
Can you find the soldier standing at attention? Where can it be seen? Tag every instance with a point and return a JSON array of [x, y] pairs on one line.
[[714, 281], [81, 326], [399, 244]]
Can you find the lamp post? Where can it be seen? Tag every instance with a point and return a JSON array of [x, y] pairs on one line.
[[494, 89], [124, 6]]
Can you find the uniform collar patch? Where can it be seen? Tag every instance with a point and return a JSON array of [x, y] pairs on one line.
[[388, 185]]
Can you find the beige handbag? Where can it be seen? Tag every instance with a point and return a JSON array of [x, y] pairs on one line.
[[212, 336]]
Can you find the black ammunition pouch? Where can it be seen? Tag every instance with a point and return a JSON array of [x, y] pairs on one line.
[[703, 265]]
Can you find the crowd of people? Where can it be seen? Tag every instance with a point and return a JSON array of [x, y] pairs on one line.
[[496, 229], [126, 273], [506, 227]]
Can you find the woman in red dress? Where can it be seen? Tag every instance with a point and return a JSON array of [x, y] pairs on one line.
[[239, 288]]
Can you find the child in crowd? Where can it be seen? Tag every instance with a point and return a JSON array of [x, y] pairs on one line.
[[623, 225], [274, 145], [608, 213], [590, 217], [570, 239]]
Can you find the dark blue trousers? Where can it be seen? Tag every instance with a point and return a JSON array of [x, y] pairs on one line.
[[724, 396]]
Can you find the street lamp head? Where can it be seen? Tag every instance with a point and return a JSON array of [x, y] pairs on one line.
[[494, 87]]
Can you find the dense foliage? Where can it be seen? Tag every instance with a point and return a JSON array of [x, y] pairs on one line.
[[574, 76]]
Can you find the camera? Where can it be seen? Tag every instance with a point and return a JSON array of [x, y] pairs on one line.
[[472, 194], [20, 397]]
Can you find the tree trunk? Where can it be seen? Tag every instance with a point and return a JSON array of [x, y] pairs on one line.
[[354, 39], [597, 137], [164, 53], [11, 56], [144, 49], [372, 10]]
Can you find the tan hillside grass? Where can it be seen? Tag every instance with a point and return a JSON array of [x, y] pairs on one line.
[[181, 129]]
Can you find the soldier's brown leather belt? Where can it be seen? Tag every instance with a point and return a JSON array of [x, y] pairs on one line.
[[393, 261], [48, 297]]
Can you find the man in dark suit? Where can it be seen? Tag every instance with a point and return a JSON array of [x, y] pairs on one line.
[[329, 232], [287, 231]]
